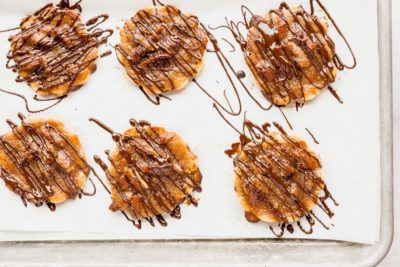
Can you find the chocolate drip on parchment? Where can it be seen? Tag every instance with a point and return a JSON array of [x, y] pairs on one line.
[[281, 66], [265, 163], [27, 107], [153, 169], [228, 69], [233, 49], [59, 56], [38, 163], [9, 30], [335, 94], [312, 136]]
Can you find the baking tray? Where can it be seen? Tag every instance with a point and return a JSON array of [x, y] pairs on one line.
[[240, 252]]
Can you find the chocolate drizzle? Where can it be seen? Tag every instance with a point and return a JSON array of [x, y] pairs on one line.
[[309, 219], [227, 66], [57, 99], [335, 94], [299, 105], [233, 49], [286, 118], [106, 54], [312, 136], [42, 162], [9, 30], [279, 178], [53, 48], [146, 175], [273, 60]]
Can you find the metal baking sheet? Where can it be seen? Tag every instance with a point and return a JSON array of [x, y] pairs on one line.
[[262, 252]]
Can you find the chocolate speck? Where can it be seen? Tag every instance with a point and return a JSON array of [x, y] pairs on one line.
[[241, 74]]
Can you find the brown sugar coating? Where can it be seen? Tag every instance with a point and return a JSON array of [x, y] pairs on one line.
[[151, 172], [42, 162], [290, 55], [54, 52], [278, 178], [162, 49]]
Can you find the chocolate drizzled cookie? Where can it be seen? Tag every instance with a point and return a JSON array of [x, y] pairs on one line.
[[278, 178], [289, 52], [162, 49], [55, 52], [42, 162], [151, 172]]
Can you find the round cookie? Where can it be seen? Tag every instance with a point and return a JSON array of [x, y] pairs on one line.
[[290, 55], [42, 161], [53, 52], [162, 49], [151, 171], [278, 178]]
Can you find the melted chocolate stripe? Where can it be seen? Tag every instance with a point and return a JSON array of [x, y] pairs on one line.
[[335, 94], [27, 104], [339, 63], [312, 136], [9, 30]]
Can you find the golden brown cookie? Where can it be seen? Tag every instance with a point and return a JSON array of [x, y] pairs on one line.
[[42, 161], [278, 178], [54, 52], [162, 49], [151, 172], [290, 55]]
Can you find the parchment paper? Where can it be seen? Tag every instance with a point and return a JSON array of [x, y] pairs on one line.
[[348, 133]]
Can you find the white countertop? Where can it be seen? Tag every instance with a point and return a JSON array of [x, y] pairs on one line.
[[393, 258]]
